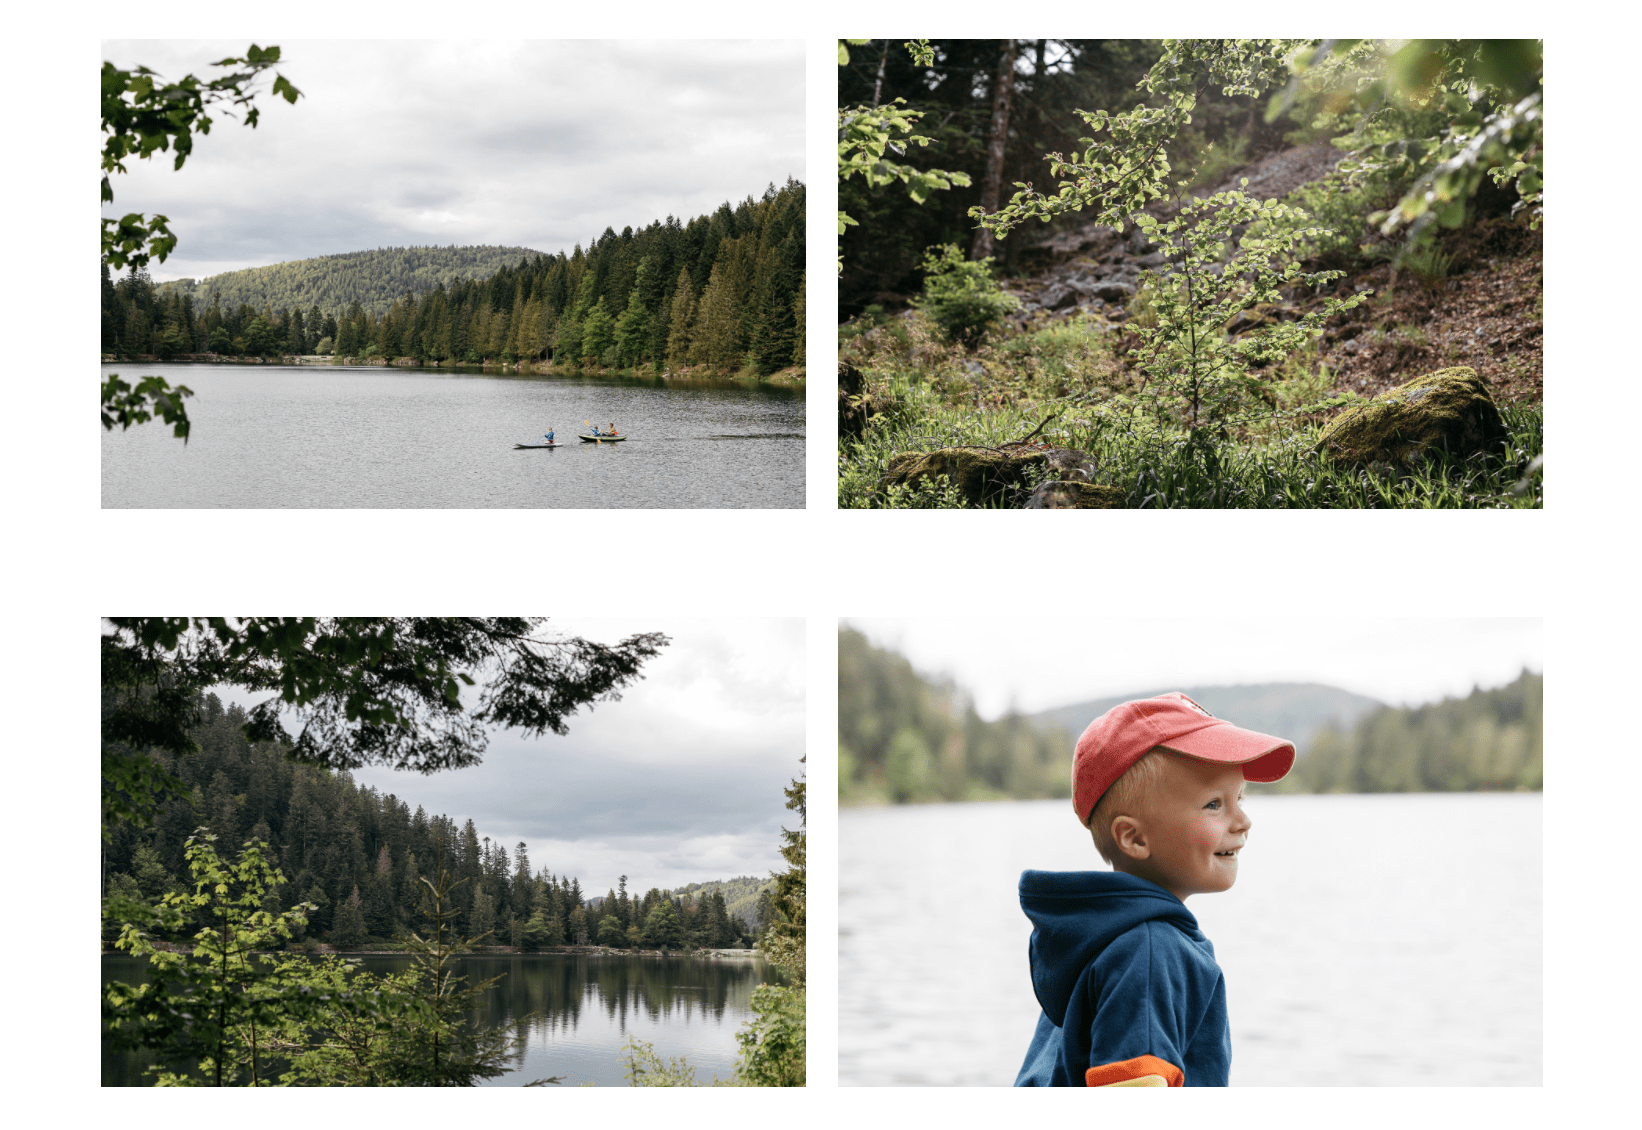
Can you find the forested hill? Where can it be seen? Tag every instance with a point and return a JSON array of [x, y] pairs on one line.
[[904, 737], [1488, 740], [745, 897], [1289, 710], [373, 279], [721, 293], [359, 855]]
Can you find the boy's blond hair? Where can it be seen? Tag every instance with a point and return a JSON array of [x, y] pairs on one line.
[[1122, 799]]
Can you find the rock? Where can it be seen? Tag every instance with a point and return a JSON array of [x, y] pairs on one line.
[[1070, 465], [1056, 296], [852, 400], [1114, 290], [988, 476], [1450, 409], [1058, 495], [983, 475]]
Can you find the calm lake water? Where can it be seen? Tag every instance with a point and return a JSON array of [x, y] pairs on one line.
[[1369, 941], [372, 436], [587, 1009]]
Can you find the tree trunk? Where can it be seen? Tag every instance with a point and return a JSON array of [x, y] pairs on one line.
[[997, 139]]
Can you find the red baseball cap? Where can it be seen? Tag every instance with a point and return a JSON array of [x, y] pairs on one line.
[[1123, 735]]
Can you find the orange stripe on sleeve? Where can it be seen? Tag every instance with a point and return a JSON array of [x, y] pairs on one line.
[[1138, 1072]]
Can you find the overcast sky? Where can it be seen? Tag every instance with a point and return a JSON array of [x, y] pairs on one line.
[[539, 144], [679, 782], [1039, 664]]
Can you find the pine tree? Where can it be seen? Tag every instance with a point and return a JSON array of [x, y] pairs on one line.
[[633, 328], [348, 930], [482, 922], [598, 335], [682, 328]]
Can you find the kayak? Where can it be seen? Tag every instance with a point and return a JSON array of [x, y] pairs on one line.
[[518, 446], [588, 437]]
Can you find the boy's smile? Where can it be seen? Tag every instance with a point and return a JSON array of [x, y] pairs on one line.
[[1189, 833]]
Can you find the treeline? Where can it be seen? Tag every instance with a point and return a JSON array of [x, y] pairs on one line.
[[1489, 740], [745, 897], [723, 292], [359, 855], [141, 317], [904, 738], [374, 279]]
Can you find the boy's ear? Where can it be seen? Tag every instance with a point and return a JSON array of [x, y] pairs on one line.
[[1130, 838]]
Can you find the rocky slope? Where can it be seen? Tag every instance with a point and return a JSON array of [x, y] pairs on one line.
[[1484, 309]]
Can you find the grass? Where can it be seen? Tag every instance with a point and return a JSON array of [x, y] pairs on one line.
[[928, 396]]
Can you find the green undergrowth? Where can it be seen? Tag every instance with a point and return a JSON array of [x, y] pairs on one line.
[[927, 396]]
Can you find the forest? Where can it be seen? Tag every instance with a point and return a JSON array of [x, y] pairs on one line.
[[722, 293], [358, 857], [374, 279], [1193, 273], [904, 737]]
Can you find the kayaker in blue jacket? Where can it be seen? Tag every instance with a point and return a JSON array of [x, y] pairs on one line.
[[549, 435], [1131, 993]]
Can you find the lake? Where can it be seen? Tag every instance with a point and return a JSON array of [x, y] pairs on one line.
[[1369, 941], [382, 437], [588, 1007]]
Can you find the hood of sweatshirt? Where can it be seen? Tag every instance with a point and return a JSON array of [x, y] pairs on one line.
[[1077, 914]]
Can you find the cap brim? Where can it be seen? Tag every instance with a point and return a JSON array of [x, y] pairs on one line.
[[1263, 757]]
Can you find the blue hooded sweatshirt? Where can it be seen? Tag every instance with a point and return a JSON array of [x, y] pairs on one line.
[[1122, 972]]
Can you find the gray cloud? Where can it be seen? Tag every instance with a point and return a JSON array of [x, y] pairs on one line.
[[532, 144], [681, 781]]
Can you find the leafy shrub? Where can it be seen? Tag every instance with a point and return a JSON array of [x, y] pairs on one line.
[[1189, 362], [1334, 214], [961, 297]]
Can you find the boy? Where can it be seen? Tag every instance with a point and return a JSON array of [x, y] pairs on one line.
[[1130, 991]]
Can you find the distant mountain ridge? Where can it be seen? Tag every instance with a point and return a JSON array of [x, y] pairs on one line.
[[1296, 711], [374, 279]]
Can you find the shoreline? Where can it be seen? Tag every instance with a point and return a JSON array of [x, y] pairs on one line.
[[791, 377], [324, 949]]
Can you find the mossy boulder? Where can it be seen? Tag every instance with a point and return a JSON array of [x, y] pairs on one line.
[[1447, 410], [984, 476], [987, 476]]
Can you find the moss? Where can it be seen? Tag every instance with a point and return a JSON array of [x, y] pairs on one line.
[[982, 475], [1449, 409]]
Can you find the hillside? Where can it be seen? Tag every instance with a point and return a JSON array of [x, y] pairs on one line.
[[1489, 740], [720, 293], [374, 279], [1287, 710], [1226, 327], [907, 738], [740, 895]]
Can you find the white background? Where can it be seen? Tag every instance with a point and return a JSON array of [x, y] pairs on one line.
[[1573, 564]]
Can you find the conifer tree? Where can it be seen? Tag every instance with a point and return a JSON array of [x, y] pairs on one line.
[[633, 327], [682, 328], [598, 334], [348, 930]]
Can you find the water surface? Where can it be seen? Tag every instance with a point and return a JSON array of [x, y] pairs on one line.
[[373, 436], [581, 1010]]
